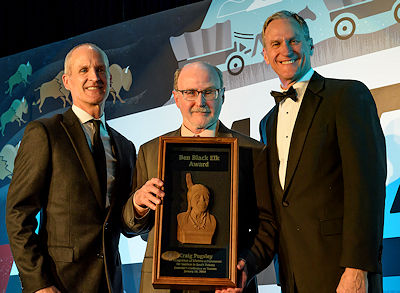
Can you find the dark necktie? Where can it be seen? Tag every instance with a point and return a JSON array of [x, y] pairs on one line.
[[99, 157], [280, 96]]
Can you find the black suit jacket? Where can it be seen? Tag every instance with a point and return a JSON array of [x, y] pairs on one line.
[[251, 159], [55, 175], [330, 212]]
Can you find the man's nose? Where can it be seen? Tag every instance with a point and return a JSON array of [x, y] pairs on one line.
[[286, 48], [200, 100], [94, 74]]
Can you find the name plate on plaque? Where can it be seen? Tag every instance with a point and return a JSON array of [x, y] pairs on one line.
[[195, 239]]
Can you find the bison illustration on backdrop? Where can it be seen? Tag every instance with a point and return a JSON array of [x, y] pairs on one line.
[[54, 89], [7, 157], [21, 76], [14, 113], [120, 78]]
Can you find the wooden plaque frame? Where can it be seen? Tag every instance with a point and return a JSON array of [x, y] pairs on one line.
[[214, 163]]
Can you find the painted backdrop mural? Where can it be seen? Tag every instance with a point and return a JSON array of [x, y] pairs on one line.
[[355, 39]]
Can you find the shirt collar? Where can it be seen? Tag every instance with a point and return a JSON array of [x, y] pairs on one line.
[[209, 132], [84, 117], [303, 81], [301, 85]]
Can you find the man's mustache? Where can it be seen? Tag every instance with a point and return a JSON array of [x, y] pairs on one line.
[[199, 110]]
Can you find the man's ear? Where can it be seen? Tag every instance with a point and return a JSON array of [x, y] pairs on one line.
[[176, 98], [265, 56], [65, 79], [311, 46]]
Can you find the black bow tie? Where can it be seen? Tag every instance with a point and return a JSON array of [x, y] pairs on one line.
[[279, 97]]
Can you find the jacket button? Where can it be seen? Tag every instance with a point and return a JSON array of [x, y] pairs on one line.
[[285, 203]]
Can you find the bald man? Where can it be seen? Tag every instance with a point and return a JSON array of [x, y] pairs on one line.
[[77, 172], [199, 95]]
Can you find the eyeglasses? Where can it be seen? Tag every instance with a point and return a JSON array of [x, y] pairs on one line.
[[208, 94]]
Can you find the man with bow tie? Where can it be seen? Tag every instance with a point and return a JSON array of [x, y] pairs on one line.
[[75, 171], [327, 168]]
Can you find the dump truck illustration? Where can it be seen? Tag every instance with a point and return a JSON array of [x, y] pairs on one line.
[[345, 14], [218, 46]]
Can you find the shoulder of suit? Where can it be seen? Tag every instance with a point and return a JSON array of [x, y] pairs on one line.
[[246, 141], [117, 135], [154, 142], [266, 117], [339, 81], [48, 123]]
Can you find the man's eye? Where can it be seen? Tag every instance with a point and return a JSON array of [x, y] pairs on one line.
[[83, 70], [190, 93], [100, 70], [209, 92]]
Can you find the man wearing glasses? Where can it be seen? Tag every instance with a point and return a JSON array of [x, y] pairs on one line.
[[199, 95]]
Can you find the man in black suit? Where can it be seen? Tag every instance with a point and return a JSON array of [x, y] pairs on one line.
[[77, 172], [327, 161], [327, 166]]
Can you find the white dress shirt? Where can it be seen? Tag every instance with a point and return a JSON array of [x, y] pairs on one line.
[[287, 114], [88, 129], [209, 132]]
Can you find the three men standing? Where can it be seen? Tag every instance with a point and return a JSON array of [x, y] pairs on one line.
[[326, 168]]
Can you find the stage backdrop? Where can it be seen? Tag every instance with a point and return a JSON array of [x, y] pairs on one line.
[[355, 39]]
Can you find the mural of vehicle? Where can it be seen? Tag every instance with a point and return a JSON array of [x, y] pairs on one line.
[[345, 14], [214, 45]]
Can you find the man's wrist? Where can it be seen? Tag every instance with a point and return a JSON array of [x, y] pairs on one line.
[[139, 210]]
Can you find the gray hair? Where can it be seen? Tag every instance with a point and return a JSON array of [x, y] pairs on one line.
[[288, 15], [219, 74]]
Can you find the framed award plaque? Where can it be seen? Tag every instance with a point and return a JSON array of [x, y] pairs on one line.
[[195, 236]]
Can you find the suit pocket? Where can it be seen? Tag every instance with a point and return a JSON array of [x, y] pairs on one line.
[[331, 226], [63, 254]]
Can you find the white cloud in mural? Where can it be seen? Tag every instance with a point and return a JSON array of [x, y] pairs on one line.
[[231, 7], [390, 122], [261, 3]]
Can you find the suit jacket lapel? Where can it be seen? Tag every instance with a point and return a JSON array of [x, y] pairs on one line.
[[117, 152], [308, 108], [78, 140], [273, 158]]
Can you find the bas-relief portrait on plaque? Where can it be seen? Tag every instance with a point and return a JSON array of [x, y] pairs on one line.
[[197, 224], [195, 239]]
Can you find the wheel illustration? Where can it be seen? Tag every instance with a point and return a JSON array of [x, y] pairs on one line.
[[345, 28], [397, 13], [235, 65]]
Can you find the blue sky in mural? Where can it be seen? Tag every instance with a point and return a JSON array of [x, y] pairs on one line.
[[247, 17]]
